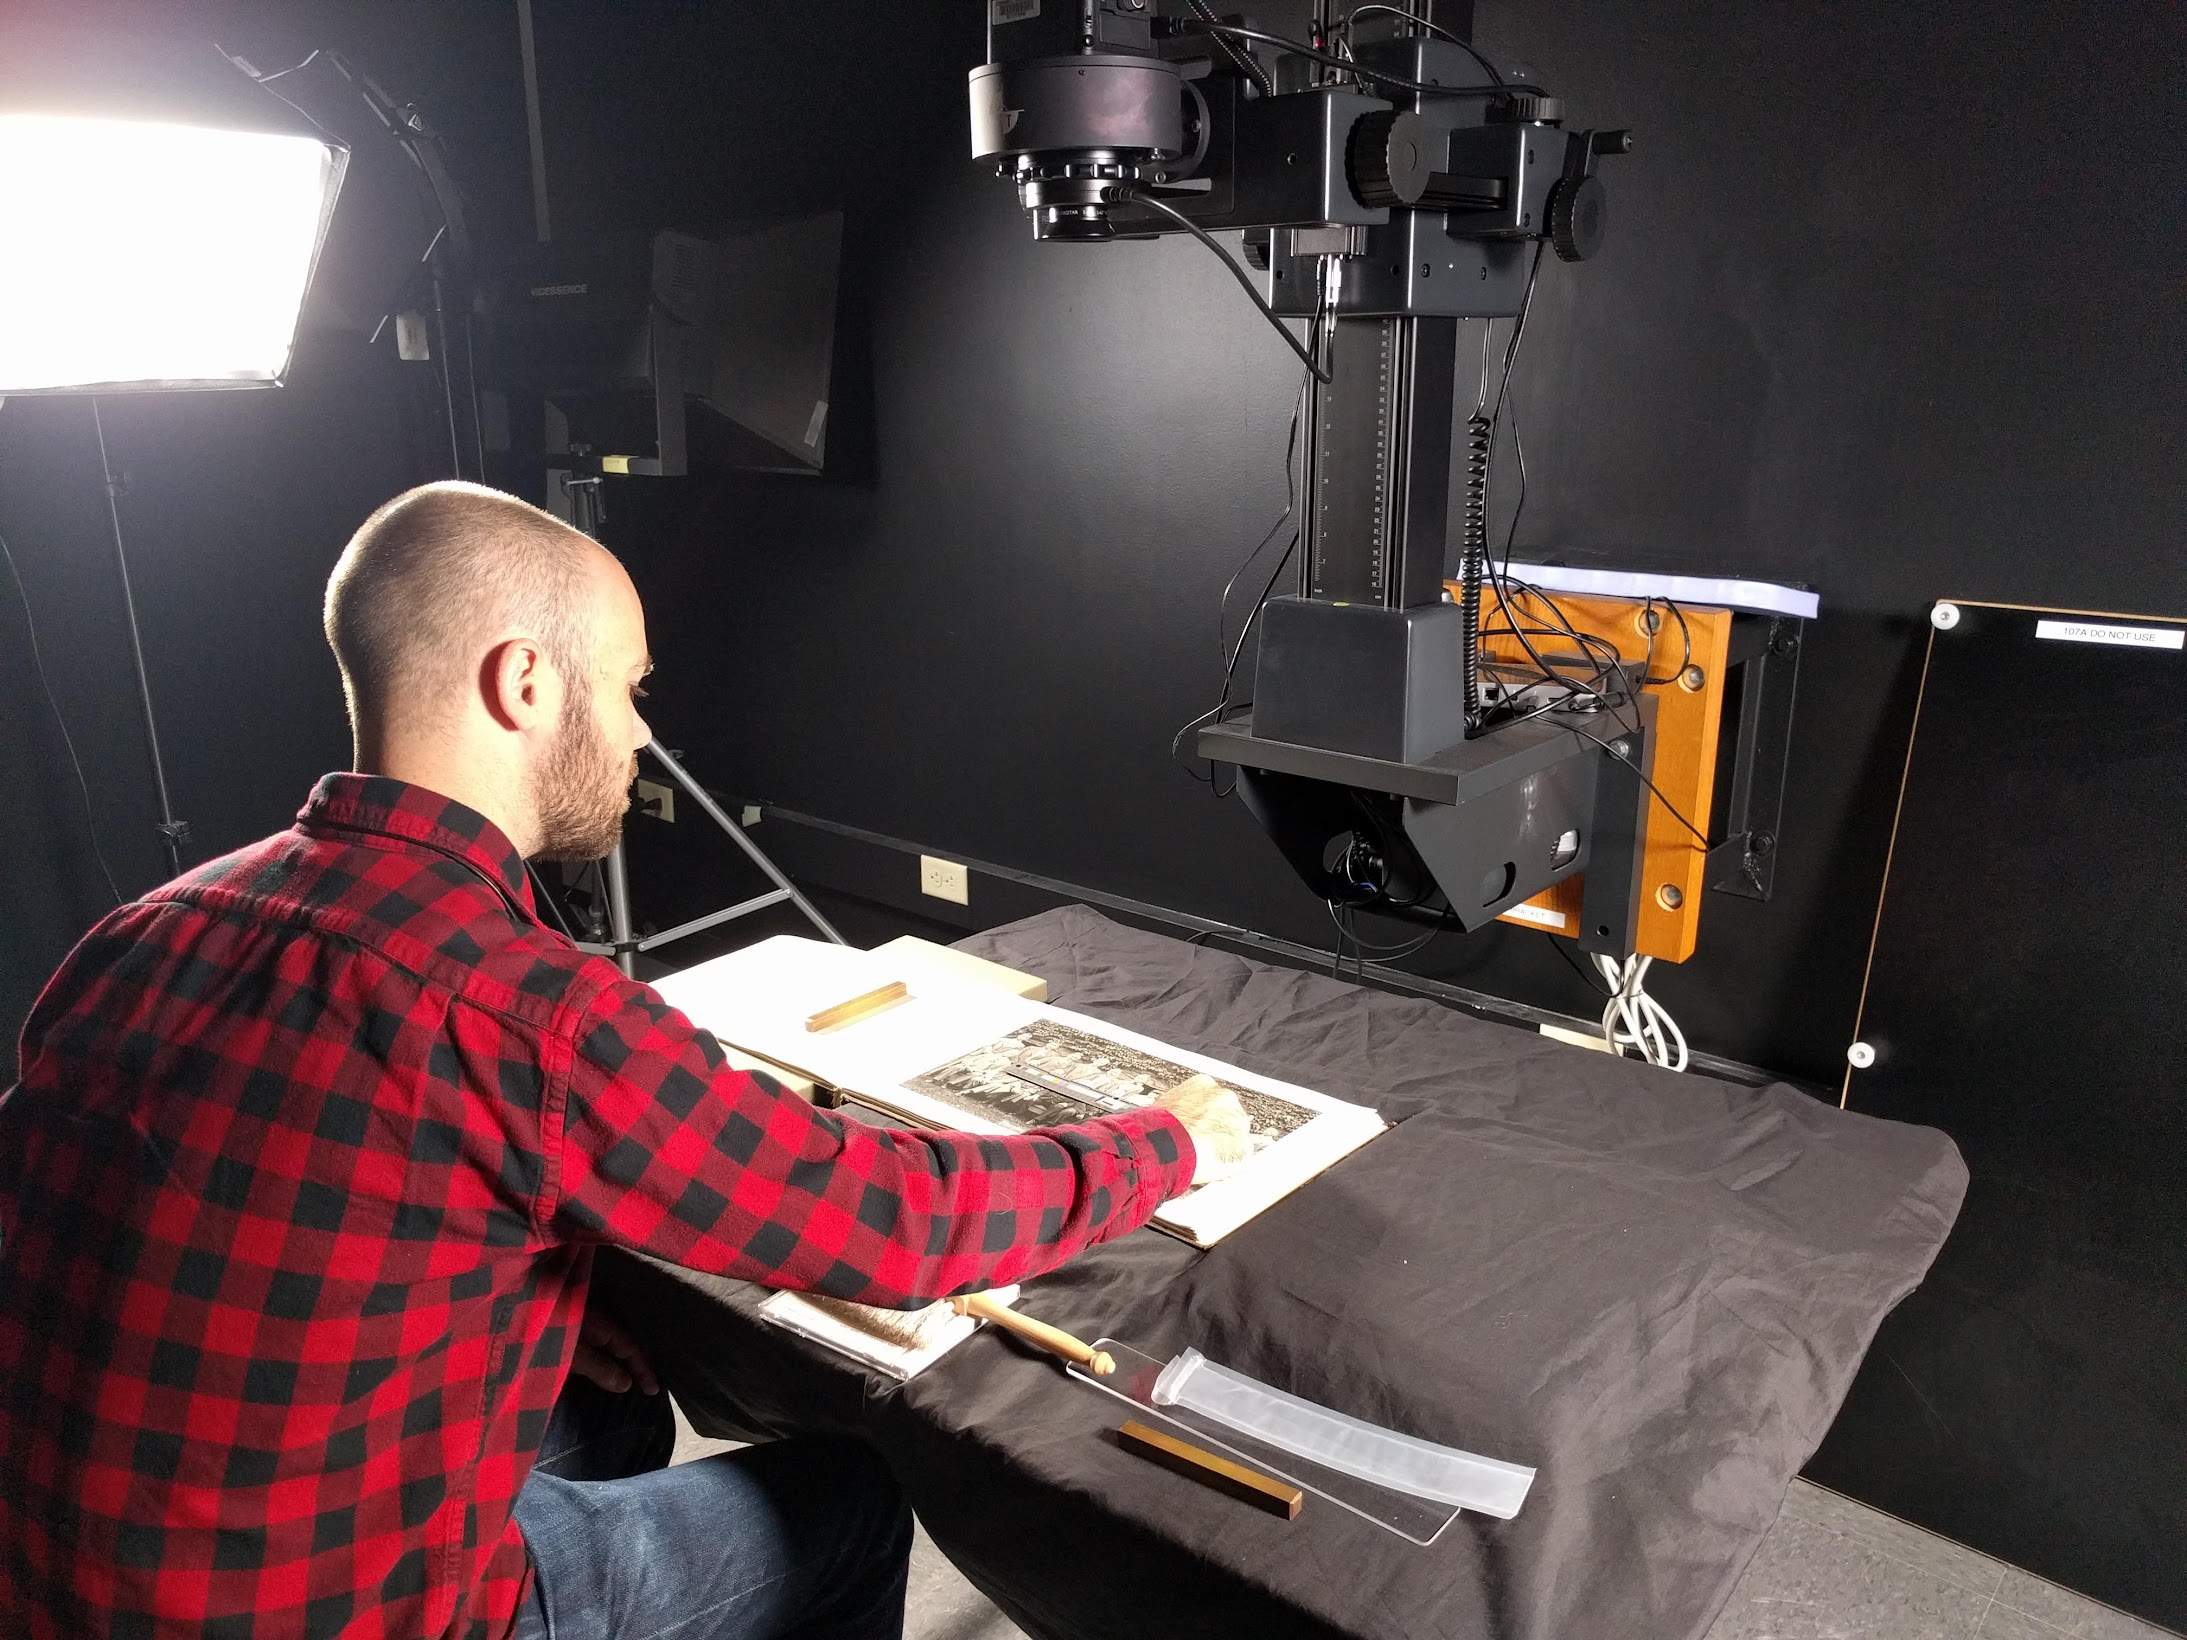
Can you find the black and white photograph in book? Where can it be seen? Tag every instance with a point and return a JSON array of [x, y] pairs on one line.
[[1047, 1074]]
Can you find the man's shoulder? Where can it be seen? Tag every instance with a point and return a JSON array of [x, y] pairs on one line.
[[422, 909]]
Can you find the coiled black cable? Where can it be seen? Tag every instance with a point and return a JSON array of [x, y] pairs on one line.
[[1480, 435], [1240, 57]]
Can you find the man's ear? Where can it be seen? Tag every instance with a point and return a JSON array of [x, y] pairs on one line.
[[520, 688]]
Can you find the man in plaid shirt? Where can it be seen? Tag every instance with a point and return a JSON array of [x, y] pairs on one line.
[[301, 1182]]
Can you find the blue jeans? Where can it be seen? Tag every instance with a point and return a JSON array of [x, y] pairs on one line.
[[805, 1538]]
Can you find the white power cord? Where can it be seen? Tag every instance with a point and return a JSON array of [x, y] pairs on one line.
[[1633, 1019]]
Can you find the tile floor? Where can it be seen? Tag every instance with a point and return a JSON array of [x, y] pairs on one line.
[[1830, 1569]]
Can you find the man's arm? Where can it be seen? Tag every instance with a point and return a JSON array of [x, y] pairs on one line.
[[666, 1150]]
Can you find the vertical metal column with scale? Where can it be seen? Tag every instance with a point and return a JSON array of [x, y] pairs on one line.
[[1367, 754], [1378, 462], [1392, 181]]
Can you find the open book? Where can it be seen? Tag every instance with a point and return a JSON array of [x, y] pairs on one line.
[[971, 1057]]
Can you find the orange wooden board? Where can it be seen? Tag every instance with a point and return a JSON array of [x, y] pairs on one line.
[[1689, 716]]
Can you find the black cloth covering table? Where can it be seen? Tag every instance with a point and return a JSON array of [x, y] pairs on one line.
[[1654, 1287]]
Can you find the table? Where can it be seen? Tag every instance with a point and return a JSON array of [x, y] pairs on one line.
[[1653, 1287]]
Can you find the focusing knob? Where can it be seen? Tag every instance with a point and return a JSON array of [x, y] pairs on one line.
[[1579, 213], [1537, 107], [1388, 158]]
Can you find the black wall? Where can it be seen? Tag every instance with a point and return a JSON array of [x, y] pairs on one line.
[[1890, 305]]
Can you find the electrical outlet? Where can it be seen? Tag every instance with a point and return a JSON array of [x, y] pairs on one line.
[[656, 799], [945, 880]]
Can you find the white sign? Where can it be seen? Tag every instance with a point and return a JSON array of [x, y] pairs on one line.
[[1539, 915], [1011, 11], [2131, 637]]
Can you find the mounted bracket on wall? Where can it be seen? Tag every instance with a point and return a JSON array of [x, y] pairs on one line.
[[1761, 679]]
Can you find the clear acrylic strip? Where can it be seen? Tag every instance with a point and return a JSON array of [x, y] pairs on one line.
[[1417, 1520]]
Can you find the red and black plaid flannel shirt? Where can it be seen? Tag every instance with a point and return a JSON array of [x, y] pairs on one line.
[[297, 1197]]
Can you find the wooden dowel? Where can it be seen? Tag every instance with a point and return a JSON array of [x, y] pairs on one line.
[[858, 1007], [1212, 1469], [1052, 1339]]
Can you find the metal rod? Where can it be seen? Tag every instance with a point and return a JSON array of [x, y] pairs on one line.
[[173, 833], [697, 925], [470, 380], [447, 369], [714, 812], [532, 126], [618, 899]]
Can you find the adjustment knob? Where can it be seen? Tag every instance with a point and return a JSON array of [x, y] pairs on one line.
[[1388, 158], [1534, 107], [1579, 212]]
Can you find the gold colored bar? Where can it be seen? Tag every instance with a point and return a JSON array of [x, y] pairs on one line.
[[843, 1013], [1194, 1463]]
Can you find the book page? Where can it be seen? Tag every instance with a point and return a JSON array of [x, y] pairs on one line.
[[965, 1056]]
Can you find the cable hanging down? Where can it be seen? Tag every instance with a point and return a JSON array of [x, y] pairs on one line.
[[1138, 196], [1240, 58], [1634, 1020]]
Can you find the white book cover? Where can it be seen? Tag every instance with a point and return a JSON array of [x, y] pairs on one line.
[[900, 1343], [960, 1055]]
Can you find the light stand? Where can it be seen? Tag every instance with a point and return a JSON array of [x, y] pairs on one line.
[[174, 834], [164, 219], [587, 514]]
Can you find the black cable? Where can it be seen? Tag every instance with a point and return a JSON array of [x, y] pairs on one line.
[[1498, 576], [1230, 668], [1223, 702], [1268, 590], [1436, 29], [38, 665], [1592, 977], [1222, 639], [1647, 670], [1518, 452], [1360, 70], [1225, 653], [1608, 663], [1240, 58], [1404, 948], [1140, 197], [1626, 758], [1290, 506]]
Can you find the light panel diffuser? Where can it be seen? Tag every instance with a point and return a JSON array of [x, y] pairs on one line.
[[155, 256]]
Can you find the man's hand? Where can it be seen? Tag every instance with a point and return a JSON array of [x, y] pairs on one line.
[[610, 1357], [1217, 1122]]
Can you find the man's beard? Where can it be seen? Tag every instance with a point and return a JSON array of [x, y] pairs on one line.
[[581, 788]]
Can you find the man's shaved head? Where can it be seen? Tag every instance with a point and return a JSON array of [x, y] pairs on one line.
[[492, 653], [435, 573]]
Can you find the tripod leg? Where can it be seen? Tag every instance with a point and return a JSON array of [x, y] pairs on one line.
[[698, 795], [618, 899]]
